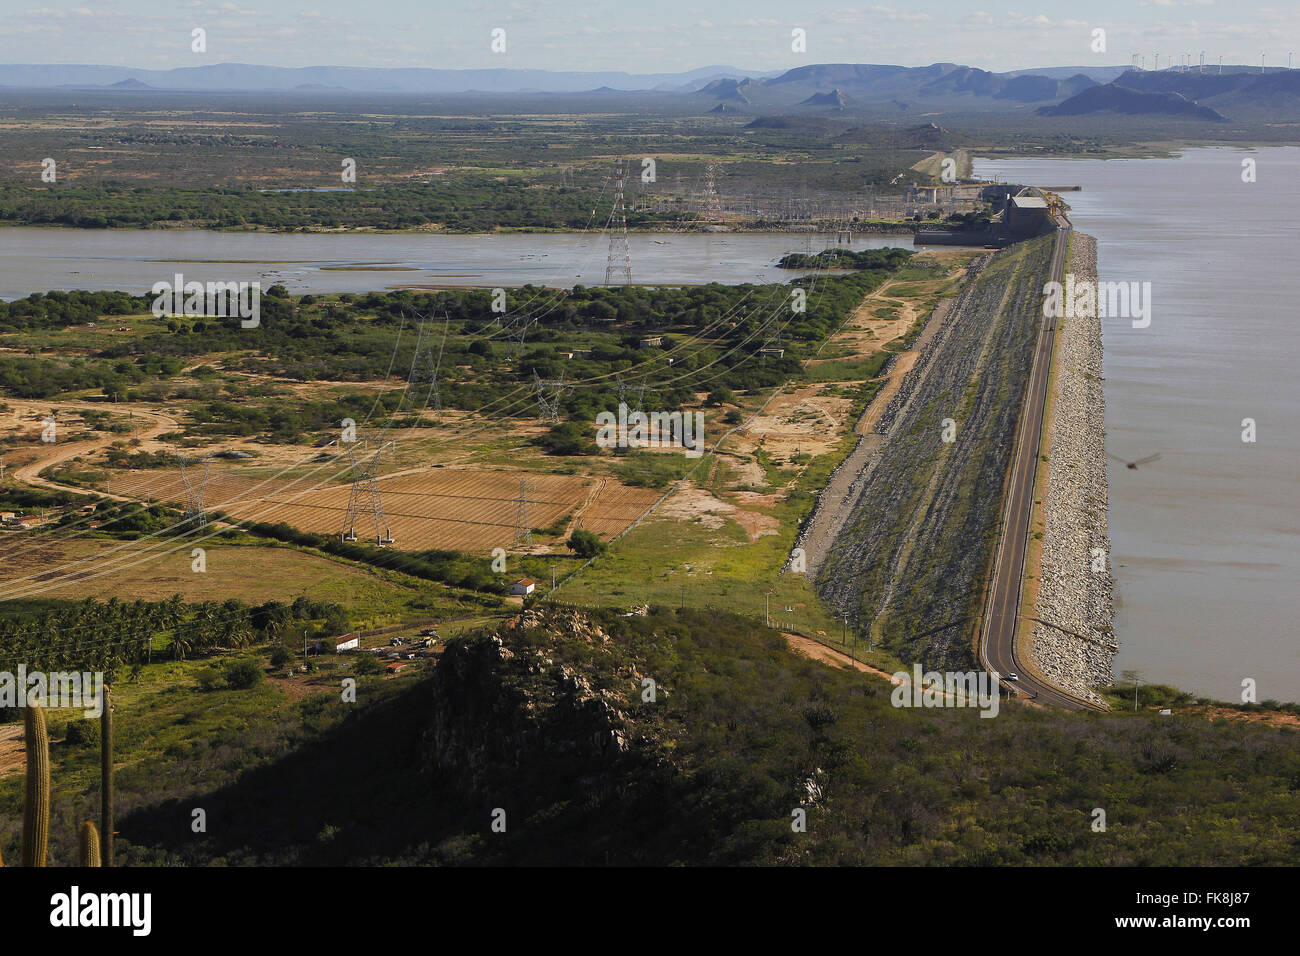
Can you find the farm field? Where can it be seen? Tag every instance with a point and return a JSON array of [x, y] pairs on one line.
[[253, 573], [451, 509]]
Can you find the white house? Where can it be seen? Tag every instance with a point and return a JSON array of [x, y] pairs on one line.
[[346, 642], [523, 586]]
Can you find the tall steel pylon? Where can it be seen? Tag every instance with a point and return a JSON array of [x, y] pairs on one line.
[[771, 331], [642, 389], [549, 393], [424, 371], [365, 495], [195, 517], [523, 527], [620, 253], [515, 332], [710, 205], [636, 393]]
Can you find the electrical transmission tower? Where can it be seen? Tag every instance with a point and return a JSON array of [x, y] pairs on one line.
[[633, 396], [515, 334], [549, 393], [364, 497], [523, 528], [710, 205], [195, 517], [424, 372], [642, 390], [620, 253], [771, 331]]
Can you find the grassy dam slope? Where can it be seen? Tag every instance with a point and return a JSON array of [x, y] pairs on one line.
[[909, 565]]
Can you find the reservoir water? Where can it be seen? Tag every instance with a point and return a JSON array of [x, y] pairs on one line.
[[41, 259], [1206, 540]]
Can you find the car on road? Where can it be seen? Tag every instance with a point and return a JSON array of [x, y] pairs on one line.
[[1013, 676]]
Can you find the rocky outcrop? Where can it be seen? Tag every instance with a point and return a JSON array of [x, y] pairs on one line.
[[1077, 649], [502, 704]]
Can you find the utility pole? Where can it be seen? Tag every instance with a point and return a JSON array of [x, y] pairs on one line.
[[767, 609]]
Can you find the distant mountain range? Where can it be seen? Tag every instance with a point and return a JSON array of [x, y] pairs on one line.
[[1215, 97], [818, 89], [243, 77], [726, 82]]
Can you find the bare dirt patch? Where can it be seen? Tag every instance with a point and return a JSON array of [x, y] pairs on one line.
[[828, 655], [805, 420]]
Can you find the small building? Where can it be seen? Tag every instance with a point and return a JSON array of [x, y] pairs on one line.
[[1026, 216], [8, 517], [653, 342], [88, 509], [347, 642], [396, 667], [523, 586]]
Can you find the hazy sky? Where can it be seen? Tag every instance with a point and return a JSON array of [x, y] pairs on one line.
[[641, 35]]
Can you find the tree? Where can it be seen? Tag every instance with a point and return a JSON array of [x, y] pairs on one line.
[[244, 674], [586, 544]]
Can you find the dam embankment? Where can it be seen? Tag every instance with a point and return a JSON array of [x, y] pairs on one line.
[[1076, 650]]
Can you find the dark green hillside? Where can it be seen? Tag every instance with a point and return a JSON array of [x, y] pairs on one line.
[[545, 719]]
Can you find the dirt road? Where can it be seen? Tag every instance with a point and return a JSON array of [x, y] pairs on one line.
[[58, 452]]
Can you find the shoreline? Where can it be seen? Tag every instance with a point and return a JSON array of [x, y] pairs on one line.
[[873, 228]]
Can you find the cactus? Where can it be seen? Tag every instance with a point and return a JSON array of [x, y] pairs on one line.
[[36, 809], [88, 848], [106, 777]]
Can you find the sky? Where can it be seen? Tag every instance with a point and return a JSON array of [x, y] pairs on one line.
[[643, 36]]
